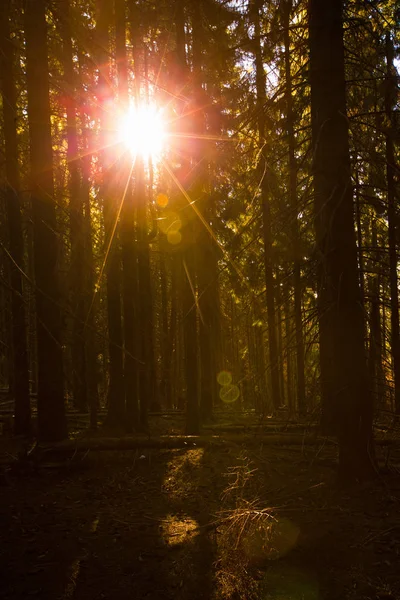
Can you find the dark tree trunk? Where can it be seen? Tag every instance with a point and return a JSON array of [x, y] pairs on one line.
[[166, 337], [52, 423], [92, 370], [279, 337], [188, 280], [111, 205], [146, 371], [190, 331], [129, 262], [173, 338], [205, 258], [11, 190], [289, 354], [347, 397], [297, 283], [390, 99], [375, 344], [266, 213], [76, 219]]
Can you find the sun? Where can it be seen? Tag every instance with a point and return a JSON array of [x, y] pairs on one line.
[[142, 130]]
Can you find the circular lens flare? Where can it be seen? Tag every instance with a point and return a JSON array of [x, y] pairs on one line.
[[142, 131], [229, 393], [174, 237], [224, 378], [170, 222], [162, 200]]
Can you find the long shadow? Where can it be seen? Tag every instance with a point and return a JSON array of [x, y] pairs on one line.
[[115, 525], [85, 532], [194, 506], [152, 539]]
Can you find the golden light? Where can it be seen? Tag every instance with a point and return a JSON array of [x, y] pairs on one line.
[[142, 130], [162, 200]]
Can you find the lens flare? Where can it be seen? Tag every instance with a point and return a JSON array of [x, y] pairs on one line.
[[169, 222], [174, 237], [224, 378], [142, 130], [162, 200], [229, 393]]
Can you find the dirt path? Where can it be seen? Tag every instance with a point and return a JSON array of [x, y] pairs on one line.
[[140, 526]]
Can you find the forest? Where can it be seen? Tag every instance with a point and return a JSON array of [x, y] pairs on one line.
[[199, 299]]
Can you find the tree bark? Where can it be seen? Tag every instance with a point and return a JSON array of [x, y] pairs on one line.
[[129, 258], [11, 190], [76, 218], [297, 283], [346, 393], [266, 212], [52, 424], [112, 258], [390, 99]]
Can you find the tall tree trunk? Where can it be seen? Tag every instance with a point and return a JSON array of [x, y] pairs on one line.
[[390, 99], [52, 424], [173, 338], [347, 398], [146, 371], [11, 190], [297, 284], [375, 345], [289, 355], [266, 211], [92, 369], [279, 337], [129, 262], [166, 336], [76, 218], [188, 281], [110, 199]]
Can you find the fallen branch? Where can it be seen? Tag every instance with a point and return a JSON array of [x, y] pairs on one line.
[[177, 442]]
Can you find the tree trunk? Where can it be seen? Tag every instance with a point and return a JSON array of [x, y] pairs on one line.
[[129, 259], [375, 345], [297, 284], [11, 190], [288, 342], [188, 282], [390, 99], [76, 219], [347, 397], [166, 336], [266, 212], [112, 257], [92, 369], [52, 424]]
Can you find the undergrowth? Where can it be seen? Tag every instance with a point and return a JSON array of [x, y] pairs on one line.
[[246, 531]]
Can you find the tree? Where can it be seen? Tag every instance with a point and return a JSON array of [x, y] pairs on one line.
[[266, 191], [52, 424], [11, 191], [297, 284], [130, 409], [346, 393], [111, 204], [390, 98], [76, 215]]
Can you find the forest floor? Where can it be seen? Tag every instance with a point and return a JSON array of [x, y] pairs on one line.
[[241, 519]]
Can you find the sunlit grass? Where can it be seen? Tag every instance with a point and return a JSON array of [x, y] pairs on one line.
[[183, 471], [177, 530]]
